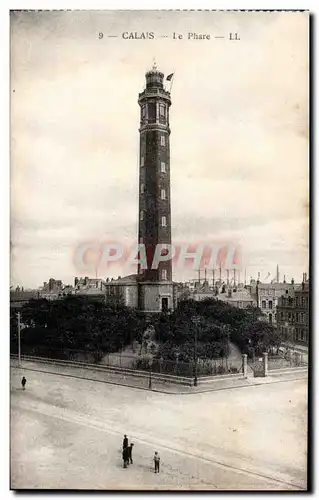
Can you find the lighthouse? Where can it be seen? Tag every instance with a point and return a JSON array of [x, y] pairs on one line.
[[154, 228]]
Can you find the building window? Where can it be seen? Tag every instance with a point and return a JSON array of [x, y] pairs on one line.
[[143, 111], [302, 318], [164, 274], [303, 302], [163, 194], [142, 188], [263, 304], [142, 215], [142, 161], [270, 304], [281, 316], [152, 112], [164, 221], [270, 318], [162, 140], [297, 301], [163, 167], [302, 332], [162, 109], [297, 317]]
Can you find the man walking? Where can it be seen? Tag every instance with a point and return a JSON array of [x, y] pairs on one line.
[[129, 450], [125, 442], [157, 462], [23, 382], [125, 457]]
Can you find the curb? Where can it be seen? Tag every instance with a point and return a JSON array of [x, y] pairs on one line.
[[162, 391]]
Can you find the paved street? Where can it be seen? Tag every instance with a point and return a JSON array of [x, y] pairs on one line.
[[67, 433]]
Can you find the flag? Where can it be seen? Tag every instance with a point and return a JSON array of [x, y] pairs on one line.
[[169, 77]]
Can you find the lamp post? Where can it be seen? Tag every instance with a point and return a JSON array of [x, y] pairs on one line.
[[176, 366], [196, 321], [19, 339], [226, 343], [150, 379]]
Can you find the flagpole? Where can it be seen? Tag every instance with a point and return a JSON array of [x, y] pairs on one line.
[[170, 90]]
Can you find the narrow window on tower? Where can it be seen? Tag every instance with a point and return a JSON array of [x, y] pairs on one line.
[[164, 221], [163, 194], [164, 274], [142, 161], [152, 112], [162, 140], [162, 109], [163, 167], [142, 215], [142, 188]]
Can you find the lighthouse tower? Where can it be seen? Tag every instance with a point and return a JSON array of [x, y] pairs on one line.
[[155, 285]]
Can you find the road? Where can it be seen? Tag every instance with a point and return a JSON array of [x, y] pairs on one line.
[[67, 433]]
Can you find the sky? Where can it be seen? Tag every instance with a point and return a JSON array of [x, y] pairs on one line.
[[239, 136]]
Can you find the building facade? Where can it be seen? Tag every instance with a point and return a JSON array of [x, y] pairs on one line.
[[293, 315], [286, 316], [302, 314], [268, 295]]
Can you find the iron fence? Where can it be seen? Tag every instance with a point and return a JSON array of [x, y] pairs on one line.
[[139, 362], [287, 360]]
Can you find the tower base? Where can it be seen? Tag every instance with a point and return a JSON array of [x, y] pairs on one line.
[[156, 297]]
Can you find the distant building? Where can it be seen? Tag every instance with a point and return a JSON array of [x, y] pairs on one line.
[[293, 314], [286, 316], [89, 283], [124, 290], [302, 312], [19, 297], [51, 289], [237, 296], [127, 291], [268, 295], [240, 298]]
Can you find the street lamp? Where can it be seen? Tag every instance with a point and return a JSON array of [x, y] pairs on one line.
[[176, 366], [19, 339], [226, 343], [196, 321], [150, 379]]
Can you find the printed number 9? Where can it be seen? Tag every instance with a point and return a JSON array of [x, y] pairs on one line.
[[100, 35]]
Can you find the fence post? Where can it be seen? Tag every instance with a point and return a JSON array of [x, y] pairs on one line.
[[298, 358], [244, 365], [265, 364]]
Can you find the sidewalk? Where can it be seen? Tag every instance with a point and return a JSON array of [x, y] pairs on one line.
[[156, 386]]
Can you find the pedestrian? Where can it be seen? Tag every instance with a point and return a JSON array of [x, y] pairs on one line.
[[23, 382], [125, 442], [130, 449], [125, 457], [157, 462]]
